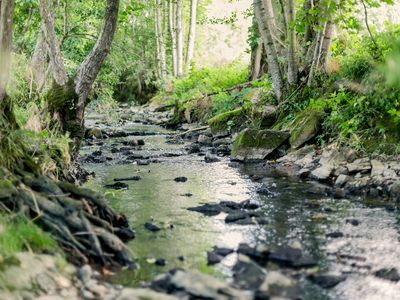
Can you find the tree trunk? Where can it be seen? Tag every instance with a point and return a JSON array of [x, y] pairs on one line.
[[256, 59], [90, 67], [157, 28], [179, 37], [272, 57], [39, 62], [160, 39], [316, 55], [291, 37], [326, 43], [49, 34], [6, 21], [192, 34], [172, 29]]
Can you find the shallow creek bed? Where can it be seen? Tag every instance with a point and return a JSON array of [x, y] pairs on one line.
[[264, 234]]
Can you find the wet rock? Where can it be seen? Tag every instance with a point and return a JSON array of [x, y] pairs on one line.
[[133, 178], [94, 133], [335, 234], [394, 190], [141, 294], [339, 193], [143, 162], [277, 285], [234, 217], [95, 159], [224, 150], [326, 281], [152, 227], [353, 222], [117, 186], [221, 251], [223, 124], [85, 273], [341, 180], [247, 274], [209, 158], [227, 206], [194, 148], [304, 173], [125, 234], [97, 153], [389, 274], [362, 165], [187, 195], [322, 173], [160, 262], [259, 254], [213, 258], [250, 204], [181, 179], [134, 143], [204, 140], [252, 144], [207, 209], [136, 156], [264, 191], [292, 257]]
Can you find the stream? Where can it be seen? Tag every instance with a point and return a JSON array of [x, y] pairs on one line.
[[296, 214]]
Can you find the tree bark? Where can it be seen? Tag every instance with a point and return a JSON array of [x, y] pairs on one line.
[[56, 57], [326, 43], [39, 62], [192, 33], [272, 57], [256, 59], [172, 29], [160, 39], [291, 37], [90, 67], [179, 37], [6, 21]]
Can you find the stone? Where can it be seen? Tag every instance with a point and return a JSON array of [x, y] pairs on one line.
[[339, 193], [305, 127], [194, 148], [213, 258], [335, 234], [277, 285], [222, 251], [389, 274], [252, 144], [349, 154], [378, 168], [152, 227], [292, 257], [227, 122], [117, 186], [160, 262], [180, 179], [204, 140], [132, 178], [362, 165], [394, 190], [260, 254], [353, 222], [94, 133], [322, 173], [233, 217], [209, 158], [207, 209], [142, 294], [341, 180], [85, 273], [326, 281], [247, 274]]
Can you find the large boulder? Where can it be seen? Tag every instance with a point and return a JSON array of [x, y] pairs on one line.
[[226, 122], [305, 127], [253, 144]]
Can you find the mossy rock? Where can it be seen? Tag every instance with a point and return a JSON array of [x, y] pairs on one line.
[[253, 144], [227, 121], [305, 127]]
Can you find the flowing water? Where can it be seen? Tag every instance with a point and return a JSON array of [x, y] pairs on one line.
[[295, 214]]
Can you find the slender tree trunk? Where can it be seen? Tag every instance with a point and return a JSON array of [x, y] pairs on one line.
[[192, 33], [161, 39], [291, 37], [157, 29], [179, 37], [316, 55], [49, 34], [326, 43], [6, 21], [39, 62], [272, 57], [172, 29], [256, 59]]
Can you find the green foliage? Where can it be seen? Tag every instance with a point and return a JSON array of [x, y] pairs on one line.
[[18, 235]]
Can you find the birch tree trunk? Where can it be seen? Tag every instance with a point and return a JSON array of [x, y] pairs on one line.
[[6, 21], [272, 57], [291, 37], [256, 58], [326, 43], [172, 30], [179, 37], [157, 28], [39, 62], [192, 33]]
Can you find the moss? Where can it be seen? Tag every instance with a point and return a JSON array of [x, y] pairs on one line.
[[227, 121], [257, 144], [7, 189], [63, 101], [305, 127]]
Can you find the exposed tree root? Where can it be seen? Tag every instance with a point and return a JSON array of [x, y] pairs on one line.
[[79, 219]]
